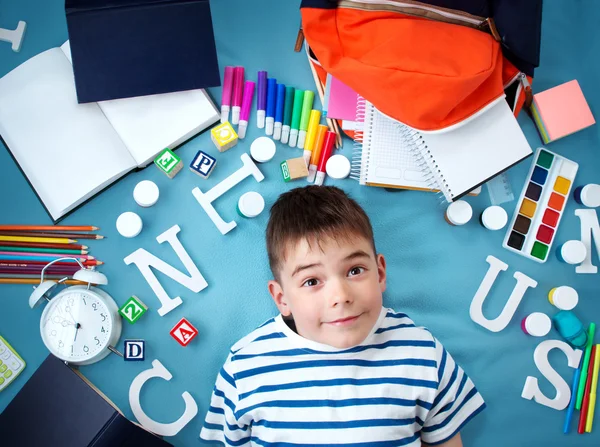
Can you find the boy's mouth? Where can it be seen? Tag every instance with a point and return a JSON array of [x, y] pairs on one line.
[[344, 321]]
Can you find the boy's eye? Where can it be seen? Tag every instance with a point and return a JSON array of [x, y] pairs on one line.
[[356, 271], [310, 282]]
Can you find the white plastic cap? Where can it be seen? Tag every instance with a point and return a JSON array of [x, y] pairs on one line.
[[260, 119], [573, 252], [146, 193], [277, 132], [494, 218], [307, 154], [235, 115], [129, 224], [538, 324], [312, 173], [301, 139], [285, 134], [270, 124], [293, 137], [459, 212], [565, 298], [590, 195], [262, 149], [338, 167], [251, 204], [242, 126], [224, 113], [320, 178]]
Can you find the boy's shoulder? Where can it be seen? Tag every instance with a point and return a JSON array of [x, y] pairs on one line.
[[401, 324], [267, 331]]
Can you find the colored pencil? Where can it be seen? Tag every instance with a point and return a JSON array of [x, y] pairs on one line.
[[573, 399], [584, 369], [50, 240], [86, 263], [46, 228], [44, 255], [31, 276], [586, 396], [34, 270], [592, 407], [37, 245], [70, 282], [46, 259], [43, 250], [55, 234]]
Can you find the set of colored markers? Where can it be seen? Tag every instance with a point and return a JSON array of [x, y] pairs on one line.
[[26, 249]]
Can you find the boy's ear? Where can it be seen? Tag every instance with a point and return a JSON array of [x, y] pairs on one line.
[[381, 272], [276, 292]]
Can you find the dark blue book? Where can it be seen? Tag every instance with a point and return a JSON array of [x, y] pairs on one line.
[[59, 407], [127, 48]]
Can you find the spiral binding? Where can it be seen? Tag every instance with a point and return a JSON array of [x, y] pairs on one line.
[[357, 170]]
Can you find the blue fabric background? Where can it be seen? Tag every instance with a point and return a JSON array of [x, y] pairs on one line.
[[434, 269]]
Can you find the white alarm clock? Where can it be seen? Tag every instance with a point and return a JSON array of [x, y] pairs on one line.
[[81, 324]]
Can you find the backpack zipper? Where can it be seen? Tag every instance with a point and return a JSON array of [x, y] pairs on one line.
[[419, 9]]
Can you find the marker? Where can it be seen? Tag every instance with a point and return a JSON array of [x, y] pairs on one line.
[[261, 99], [296, 116], [279, 111], [590, 418], [287, 114], [586, 361], [325, 154], [586, 399], [238, 85], [316, 152], [246, 106], [226, 99], [307, 104], [311, 134], [271, 102], [573, 399]]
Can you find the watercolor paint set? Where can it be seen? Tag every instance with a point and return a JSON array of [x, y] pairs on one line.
[[541, 205]]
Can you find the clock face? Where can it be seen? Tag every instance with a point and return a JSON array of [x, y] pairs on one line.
[[77, 325]]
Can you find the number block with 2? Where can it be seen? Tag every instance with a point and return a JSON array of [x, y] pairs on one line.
[[133, 309]]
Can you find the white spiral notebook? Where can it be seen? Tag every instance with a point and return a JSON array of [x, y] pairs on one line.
[[455, 162]]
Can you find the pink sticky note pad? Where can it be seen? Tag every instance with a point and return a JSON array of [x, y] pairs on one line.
[[342, 101], [564, 110]]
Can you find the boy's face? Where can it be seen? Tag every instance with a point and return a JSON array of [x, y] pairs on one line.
[[333, 291]]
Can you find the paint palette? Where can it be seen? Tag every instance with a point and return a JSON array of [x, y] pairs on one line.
[[541, 205]]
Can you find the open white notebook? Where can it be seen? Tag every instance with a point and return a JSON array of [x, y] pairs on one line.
[[68, 151], [455, 162]]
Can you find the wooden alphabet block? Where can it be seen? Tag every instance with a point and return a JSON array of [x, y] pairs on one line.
[[133, 309], [203, 164], [224, 136], [183, 332], [168, 163], [135, 350], [294, 168]]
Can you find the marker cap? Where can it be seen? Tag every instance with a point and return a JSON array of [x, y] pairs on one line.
[[319, 178], [293, 137], [306, 156], [277, 132], [260, 119], [224, 113], [235, 115], [301, 139], [312, 173], [242, 127], [270, 125], [285, 134]]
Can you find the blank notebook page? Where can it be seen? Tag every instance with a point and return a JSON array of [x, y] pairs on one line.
[[479, 150], [68, 151]]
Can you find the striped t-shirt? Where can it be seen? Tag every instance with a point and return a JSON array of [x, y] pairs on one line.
[[397, 388]]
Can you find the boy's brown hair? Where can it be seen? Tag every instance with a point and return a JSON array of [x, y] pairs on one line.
[[313, 213]]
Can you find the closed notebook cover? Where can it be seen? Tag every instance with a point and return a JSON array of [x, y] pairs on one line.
[[123, 49], [66, 411]]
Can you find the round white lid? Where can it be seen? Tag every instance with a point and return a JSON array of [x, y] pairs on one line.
[[573, 252], [538, 324], [129, 224], [146, 193], [459, 212], [494, 217], [251, 204], [338, 167], [565, 298], [262, 149], [590, 195]]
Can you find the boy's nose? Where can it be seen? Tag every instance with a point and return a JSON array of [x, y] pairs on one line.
[[340, 294]]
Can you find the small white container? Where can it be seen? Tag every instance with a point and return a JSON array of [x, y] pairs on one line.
[[537, 324], [458, 213], [338, 167], [250, 204], [494, 218], [146, 193], [589, 195], [262, 149], [572, 252], [564, 297], [129, 224]]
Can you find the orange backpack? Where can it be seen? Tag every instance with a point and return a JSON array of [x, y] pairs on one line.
[[428, 67]]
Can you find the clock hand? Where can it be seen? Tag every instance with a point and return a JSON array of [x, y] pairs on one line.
[[77, 326]]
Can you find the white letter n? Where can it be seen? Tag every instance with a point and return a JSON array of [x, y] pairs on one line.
[[144, 260]]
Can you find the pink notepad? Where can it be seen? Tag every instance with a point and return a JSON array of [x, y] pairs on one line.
[[563, 110], [342, 101]]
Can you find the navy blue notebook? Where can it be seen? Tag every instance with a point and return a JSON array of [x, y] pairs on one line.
[[127, 48]]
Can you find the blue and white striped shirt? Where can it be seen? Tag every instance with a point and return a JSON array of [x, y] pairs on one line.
[[397, 388]]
